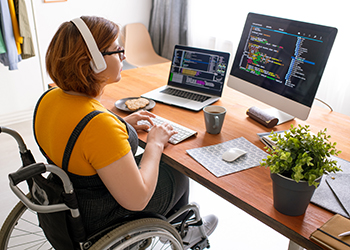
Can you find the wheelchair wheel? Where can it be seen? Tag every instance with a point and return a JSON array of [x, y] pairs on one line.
[[147, 233], [21, 230]]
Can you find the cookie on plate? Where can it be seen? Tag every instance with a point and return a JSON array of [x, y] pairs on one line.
[[135, 104]]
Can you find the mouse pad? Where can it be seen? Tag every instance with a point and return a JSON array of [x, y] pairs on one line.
[[210, 157]]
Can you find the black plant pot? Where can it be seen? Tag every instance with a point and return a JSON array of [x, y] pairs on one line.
[[291, 197]]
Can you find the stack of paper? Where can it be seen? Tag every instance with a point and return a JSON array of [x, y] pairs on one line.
[[266, 139]]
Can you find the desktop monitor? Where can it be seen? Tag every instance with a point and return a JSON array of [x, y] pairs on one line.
[[280, 62]]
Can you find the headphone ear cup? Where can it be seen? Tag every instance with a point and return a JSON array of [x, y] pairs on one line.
[[98, 63], [95, 69]]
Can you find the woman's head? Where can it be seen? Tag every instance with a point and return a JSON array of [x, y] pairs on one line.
[[68, 58]]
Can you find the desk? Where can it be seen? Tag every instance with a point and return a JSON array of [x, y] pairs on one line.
[[250, 190]]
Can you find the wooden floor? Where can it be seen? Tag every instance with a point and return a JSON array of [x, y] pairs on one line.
[[236, 229]]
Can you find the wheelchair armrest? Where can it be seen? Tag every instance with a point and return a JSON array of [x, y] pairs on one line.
[[27, 172]]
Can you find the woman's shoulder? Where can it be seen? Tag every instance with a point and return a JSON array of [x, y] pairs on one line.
[[107, 120]]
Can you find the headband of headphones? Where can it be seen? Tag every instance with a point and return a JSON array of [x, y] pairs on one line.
[[98, 63]]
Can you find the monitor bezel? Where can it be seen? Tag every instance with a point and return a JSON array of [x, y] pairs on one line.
[[280, 102]]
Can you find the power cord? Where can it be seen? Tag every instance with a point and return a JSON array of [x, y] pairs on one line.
[[324, 103]]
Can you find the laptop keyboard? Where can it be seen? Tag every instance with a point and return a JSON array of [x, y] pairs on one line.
[[182, 132], [185, 94]]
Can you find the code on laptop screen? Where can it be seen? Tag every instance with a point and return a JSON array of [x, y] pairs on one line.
[[199, 69]]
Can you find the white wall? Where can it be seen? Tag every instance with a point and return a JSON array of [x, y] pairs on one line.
[[20, 89]]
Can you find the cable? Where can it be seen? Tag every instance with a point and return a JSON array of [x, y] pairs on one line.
[[324, 103]]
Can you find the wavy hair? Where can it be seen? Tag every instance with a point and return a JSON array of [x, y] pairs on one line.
[[68, 58]]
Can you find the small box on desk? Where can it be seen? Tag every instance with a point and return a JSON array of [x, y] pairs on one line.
[[328, 234]]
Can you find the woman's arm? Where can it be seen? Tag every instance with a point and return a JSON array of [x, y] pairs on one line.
[[133, 186]]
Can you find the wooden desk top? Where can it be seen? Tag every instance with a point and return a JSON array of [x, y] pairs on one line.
[[250, 190]]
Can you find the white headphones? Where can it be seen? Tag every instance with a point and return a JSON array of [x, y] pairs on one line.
[[98, 63]]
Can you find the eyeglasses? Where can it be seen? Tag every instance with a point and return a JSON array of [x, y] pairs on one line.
[[120, 51]]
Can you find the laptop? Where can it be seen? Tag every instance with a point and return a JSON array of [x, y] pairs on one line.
[[196, 78]]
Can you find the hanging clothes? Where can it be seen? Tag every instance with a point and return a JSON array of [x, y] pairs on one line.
[[24, 29], [18, 38], [2, 43], [11, 57]]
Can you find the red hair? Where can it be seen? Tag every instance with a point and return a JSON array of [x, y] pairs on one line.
[[68, 58]]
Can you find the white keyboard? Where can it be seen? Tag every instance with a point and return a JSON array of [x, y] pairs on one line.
[[182, 132]]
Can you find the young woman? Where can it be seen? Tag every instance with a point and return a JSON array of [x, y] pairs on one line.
[[109, 180]]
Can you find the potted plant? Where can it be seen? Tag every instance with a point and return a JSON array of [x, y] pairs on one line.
[[297, 163]]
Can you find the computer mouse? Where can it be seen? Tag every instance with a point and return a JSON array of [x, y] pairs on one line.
[[232, 154]]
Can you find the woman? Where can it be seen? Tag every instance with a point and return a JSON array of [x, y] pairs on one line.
[[110, 182]]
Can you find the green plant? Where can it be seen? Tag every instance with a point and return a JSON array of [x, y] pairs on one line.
[[300, 155]]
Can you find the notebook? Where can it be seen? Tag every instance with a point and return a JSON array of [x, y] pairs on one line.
[[328, 234], [196, 78]]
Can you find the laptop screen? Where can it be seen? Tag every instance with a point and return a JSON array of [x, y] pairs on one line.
[[199, 69]]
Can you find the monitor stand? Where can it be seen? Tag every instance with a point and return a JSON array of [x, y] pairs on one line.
[[282, 116]]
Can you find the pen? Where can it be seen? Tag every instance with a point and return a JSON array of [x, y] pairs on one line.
[[344, 234]]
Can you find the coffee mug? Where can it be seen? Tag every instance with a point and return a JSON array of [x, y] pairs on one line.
[[214, 118]]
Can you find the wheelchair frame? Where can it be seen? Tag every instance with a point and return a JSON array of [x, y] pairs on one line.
[[134, 234]]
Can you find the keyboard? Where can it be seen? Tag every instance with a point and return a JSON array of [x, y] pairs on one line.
[[185, 94], [182, 132]]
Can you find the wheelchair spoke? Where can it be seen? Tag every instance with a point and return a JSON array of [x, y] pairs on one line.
[[41, 242], [39, 245], [24, 232], [29, 222]]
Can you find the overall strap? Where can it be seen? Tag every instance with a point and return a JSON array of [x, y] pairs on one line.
[[74, 136]]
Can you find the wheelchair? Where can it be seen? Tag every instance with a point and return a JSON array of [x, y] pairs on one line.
[[23, 228]]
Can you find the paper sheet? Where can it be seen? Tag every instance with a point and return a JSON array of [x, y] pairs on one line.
[[340, 183], [325, 197]]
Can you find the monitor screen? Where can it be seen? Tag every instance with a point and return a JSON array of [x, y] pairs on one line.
[[281, 62], [199, 69]]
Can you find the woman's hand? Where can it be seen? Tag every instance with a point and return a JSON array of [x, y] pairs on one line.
[[160, 134], [133, 118]]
